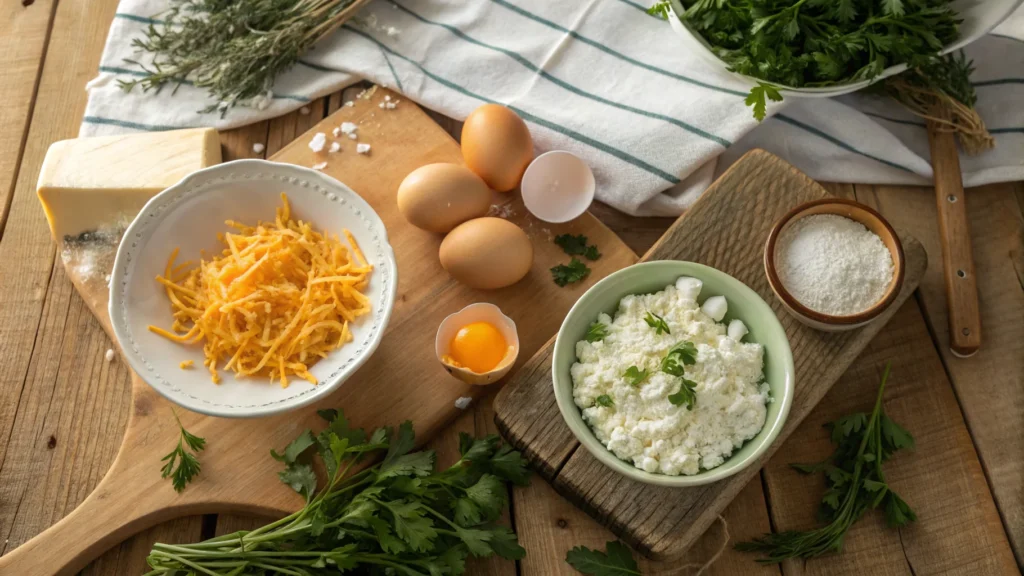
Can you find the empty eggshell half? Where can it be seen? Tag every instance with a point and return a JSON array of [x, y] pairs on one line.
[[479, 312]]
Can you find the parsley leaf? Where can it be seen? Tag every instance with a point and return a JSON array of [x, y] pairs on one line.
[[616, 561], [181, 465], [565, 274], [757, 99], [577, 246], [635, 375], [680, 355], [605, 400], [657, 322], [660, 9], [596, 332], [686, 394]]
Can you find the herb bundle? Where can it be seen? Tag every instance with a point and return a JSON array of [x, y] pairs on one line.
[[855, 481], [814, 43], [400, 516], [234, 48]]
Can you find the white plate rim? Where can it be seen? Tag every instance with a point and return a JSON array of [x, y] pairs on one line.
[[142, 227]]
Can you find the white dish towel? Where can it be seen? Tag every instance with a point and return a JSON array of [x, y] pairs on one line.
[[599, 78]]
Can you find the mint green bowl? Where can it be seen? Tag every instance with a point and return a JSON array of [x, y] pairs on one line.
[[651, 277]]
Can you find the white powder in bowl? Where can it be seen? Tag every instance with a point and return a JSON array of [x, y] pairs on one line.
[[833, 264]]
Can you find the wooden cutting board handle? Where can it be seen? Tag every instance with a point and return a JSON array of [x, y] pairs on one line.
[[955, 233]]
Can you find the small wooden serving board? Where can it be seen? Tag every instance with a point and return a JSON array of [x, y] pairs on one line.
[[402, 381], [726, 229]]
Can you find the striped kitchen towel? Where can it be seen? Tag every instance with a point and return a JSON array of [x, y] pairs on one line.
[[599, 78]]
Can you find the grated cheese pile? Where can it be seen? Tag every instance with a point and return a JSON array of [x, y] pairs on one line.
[[277, 299]]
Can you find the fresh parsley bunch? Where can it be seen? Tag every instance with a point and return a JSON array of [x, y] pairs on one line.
[[813, 43], [399, 516], [855, 481]]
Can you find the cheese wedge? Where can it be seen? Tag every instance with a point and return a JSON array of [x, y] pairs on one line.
[[88, 184]]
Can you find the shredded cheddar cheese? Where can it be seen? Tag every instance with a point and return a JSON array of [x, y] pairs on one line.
[[185, 364], [279, 297]]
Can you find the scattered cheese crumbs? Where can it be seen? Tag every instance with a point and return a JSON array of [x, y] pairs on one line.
[[318, 142], [463, 403], [336, 132], [319, 166], [391, 31], [304, 110], [501, 210], [279, 297], [107, 278], [335, 147], [186, 364], [258, 148], [368, 93], [387, 98], [350, 104], [261, 101], [349, 127], [353, 136], [363, 148], [109, 356]]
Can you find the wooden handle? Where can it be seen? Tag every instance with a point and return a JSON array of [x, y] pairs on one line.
[[955, 233]]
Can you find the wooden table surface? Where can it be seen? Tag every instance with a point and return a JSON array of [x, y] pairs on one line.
[[63, 408]]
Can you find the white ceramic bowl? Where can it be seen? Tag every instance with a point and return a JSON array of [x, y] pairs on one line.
[[979, 18], [189, 215]]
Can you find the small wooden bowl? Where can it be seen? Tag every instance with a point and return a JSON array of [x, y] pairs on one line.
[[858, 212]]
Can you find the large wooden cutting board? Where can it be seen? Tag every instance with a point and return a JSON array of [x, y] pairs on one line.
[[725, 229], [402, 381]]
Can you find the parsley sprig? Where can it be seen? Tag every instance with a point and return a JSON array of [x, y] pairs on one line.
[[574, 271], [656, 322], [597, 332], [617, 560], [181, 465], [856, 484], [814, 43], [675, 362], [635, 376], [577, 246], [399, 515]]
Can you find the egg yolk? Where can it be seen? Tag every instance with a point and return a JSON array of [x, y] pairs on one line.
[[478, 346]]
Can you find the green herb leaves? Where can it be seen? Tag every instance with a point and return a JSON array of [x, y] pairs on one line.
[[814, 43], [576, 270], [398, 515], [596, 332], [660, 9], [657, 322], [855, 482], [604, 400], [565, 274], [681, 355], [635, 376], [577, 246], [757, 99], [617, 560], [686, 395], [187, 463]]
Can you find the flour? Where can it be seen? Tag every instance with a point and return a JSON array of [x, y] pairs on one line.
[[833, 264]]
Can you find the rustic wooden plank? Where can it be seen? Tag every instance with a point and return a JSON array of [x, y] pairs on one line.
[[549, 526], [990, 384], [718, 231], [24, 32], [56, 389], [958, 529]]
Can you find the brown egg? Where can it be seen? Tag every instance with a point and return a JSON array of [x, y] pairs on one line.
[[439, 197], [487, 253], [497, 146]]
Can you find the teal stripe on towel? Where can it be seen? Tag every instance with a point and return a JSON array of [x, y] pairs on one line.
[[132, 125], [526, 115], [607, 50], [134, 18], [835, 141], [998, 82], [567, 86]]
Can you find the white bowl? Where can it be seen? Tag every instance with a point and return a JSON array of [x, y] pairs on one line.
[[189, 215], [979, 18]]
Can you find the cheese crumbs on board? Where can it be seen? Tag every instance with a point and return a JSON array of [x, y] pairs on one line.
[[279, 297]]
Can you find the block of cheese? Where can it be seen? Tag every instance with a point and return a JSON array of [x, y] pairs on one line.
[[87, 184]]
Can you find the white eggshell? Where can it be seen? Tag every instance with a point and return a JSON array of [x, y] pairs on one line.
[[479, 312], [689, 287], [715, 307], [737, 330]]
